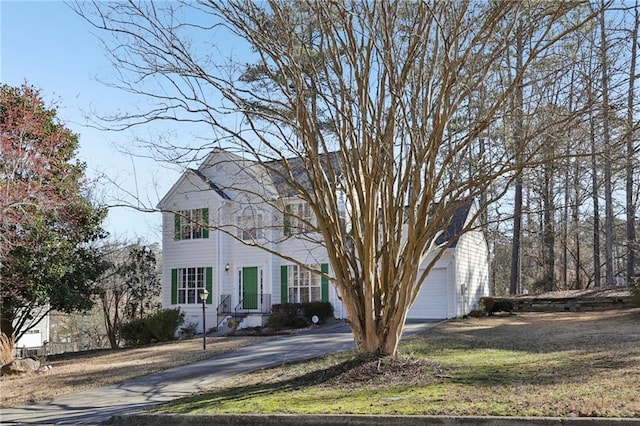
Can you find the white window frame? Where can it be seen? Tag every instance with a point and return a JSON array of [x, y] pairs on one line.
[[300, 217], [191, 282], [250, 225], [303, 285], [191, 224]]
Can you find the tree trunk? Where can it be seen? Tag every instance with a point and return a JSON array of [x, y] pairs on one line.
[[548, 230], [608, 192], [575, 215], [514, 282], [6, 323], [631, 155]]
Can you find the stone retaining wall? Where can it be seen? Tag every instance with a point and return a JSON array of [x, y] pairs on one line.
[[571, 304]]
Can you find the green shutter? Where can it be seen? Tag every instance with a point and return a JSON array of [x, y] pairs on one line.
[[284, 284], [287, 220], [324, 282], [205, 222], [209, 283], [176, 227], [174, 286]]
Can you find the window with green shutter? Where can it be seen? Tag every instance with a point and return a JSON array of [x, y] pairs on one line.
[[209, 284], [174, 286], [287, 220], [324, 282], [284, 281], [205, 222], [305, 284], [191, 224], [188, 283]]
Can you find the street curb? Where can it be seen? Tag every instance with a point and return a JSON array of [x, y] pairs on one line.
[[358, 420]]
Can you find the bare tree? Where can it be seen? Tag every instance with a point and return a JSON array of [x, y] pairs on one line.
[[608, 151], [375, 86], [631, 150], [129, 288]]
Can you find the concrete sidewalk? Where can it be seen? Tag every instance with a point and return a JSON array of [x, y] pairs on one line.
[[100, 404]]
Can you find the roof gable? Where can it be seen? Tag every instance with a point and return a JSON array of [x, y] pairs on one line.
[[190, 177], [455, 225]]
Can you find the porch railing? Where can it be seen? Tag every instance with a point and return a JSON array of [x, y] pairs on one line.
[[224, 308], [254, 304]]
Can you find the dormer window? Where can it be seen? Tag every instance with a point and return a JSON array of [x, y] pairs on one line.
[[191, 224]]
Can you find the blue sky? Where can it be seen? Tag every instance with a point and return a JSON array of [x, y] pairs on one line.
[[49, 46]]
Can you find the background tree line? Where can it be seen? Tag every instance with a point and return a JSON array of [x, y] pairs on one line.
[[573, 221]]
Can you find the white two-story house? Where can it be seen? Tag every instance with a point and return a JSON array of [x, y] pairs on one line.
[[213, 215]]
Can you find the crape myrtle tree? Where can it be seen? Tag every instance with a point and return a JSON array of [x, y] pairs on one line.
[[369, 100], [47, 226]]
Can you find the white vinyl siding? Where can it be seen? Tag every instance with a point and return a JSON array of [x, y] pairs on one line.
[[472, 271]]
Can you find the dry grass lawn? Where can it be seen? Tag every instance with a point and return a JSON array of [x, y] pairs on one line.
[[76, 373]]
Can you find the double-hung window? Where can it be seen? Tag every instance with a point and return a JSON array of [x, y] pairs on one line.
[[298, 218], [188, 283], [299, 285], [191, 224], [250, 224]]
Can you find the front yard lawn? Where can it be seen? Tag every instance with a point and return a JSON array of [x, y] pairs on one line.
[[532, 364]]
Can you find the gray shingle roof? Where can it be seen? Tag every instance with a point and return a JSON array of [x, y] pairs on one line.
[[281, 173], [455, 225], [211, 184]]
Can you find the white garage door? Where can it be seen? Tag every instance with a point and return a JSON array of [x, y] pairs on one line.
[[432, 303]]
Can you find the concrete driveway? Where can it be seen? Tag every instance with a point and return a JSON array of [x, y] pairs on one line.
[[100, 404]]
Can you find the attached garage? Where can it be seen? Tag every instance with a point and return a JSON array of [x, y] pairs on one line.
[[459, 278], [433, 300]]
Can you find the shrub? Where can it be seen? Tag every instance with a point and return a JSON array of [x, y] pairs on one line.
[[278, 320], [298, 322], [290, 309], [502, 305], [486, 304], [158, 327], [477, 313], [489, 305], [323, 310], [297, 315], [135, 332]]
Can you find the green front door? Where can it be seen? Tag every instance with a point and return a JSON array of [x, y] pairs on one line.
[[250, 288]]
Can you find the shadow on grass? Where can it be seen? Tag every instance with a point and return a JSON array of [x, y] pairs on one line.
[[536, 348], [247, 392], [488, 353], [540, 332]]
